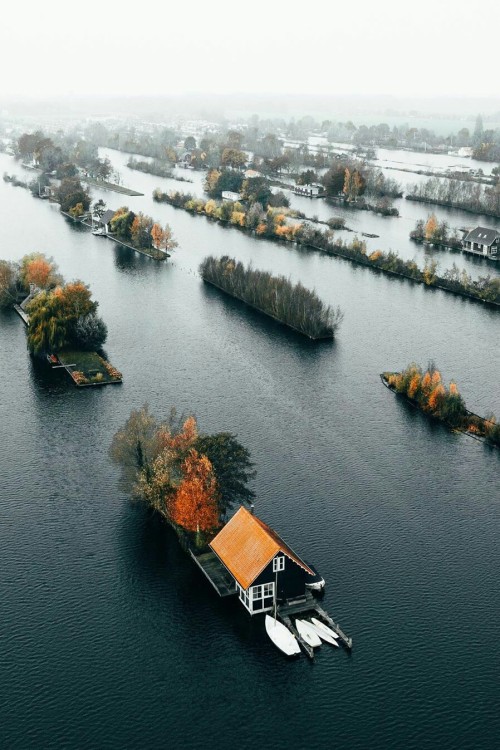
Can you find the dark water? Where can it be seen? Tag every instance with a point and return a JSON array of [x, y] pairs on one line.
[[109, 638]]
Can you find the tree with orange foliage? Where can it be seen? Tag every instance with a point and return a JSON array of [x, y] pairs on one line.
[[347, 182], [427, 383], [140, 231], [163, 239], [195, 504], [436, 398], [191, 479], [157, 237], [175, 442], [430, 228], [414, 386], [37, 269]]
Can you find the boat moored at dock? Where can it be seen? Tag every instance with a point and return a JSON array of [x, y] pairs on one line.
[[307, 632], [281, 636]]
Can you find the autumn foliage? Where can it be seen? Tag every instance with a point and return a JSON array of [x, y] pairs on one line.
[[194, 505], [429, 393], [191, 479], [37, 269]]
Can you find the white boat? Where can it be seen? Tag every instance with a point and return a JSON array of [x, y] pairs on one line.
[[307, 632], [99, 232], [281, 636], [324, 632], [316, 582]]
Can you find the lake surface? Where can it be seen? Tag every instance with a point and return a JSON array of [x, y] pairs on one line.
[[110, 638], [392, 232]]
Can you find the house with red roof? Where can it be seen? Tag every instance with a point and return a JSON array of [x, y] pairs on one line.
[[264, 568]]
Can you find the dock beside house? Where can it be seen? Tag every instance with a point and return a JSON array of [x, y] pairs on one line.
[[249, 559]]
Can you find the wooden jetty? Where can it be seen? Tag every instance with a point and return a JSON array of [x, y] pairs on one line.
[[19, 310], [244, 559], [291, 627], [217, 574], [308, 604]]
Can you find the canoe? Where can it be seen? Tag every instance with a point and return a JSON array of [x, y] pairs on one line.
[[281, 637], [324, 632], [325, 628], [307, 632]]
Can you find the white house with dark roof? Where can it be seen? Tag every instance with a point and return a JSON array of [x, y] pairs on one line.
[[482, 241], [314, 190]]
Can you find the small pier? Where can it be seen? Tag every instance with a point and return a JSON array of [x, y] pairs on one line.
[[217, 574], [291, 627], [308, 604], [19, 310]]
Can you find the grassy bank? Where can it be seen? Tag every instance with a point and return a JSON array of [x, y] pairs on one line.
[[88, 368]]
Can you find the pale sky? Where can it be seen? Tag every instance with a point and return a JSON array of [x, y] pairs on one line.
[[423, 48]]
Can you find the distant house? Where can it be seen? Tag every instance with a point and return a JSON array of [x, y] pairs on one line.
[[250, 174], [262, 565], [104, 223], [482, 241], [310, 191], [185, 159], [229, 195]]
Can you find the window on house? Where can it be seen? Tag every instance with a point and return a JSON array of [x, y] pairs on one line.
[[268, 590], [256, 592], [278, 564]]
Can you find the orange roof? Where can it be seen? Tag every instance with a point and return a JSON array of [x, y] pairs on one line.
[[246, 545]]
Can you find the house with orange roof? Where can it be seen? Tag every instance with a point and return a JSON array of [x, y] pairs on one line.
[[263, 566]]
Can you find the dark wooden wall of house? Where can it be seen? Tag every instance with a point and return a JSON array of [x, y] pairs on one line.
[[291, 581]]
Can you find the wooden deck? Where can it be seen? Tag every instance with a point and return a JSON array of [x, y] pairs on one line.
[[308, 604], [19, 310], [216, 573]]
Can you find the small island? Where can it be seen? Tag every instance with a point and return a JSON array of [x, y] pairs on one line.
[[190, 478], [436, 233], [64, 328], [427, 392], [275, 296]]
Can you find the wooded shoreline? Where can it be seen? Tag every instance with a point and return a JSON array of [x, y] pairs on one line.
[[356, 253]]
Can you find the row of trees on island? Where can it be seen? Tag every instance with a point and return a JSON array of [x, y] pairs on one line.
[[72, 196], [252, 189], [61, 155], [63, 323], [431, 395], [280, 224], [192, 479], [16, 277], [436, 233], [60, 314], [291, 304], [466, 195], [143, 233], [65, 317], [156, 167]]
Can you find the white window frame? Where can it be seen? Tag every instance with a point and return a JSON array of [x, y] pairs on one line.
[[279, 564], [268, 590], [256, 593]]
